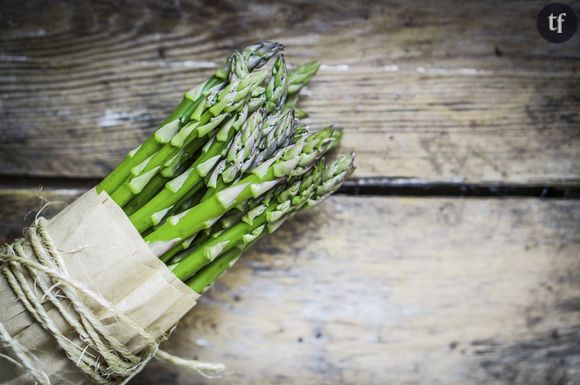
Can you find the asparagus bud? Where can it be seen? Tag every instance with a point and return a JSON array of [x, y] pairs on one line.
[[206, 263], [277, 202], [258, 54], [215, 150], [290, 160], [301, 75], [229, 100], [277, 88], [254, 56]]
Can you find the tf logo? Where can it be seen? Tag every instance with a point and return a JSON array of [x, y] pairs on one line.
[[557, 23]]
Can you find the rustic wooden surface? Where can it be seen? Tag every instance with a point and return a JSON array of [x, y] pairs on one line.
[[437, 91], [362, 290], [398, 291], [390, 290]]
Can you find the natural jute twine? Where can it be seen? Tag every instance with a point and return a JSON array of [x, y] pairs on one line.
[[95, 351]]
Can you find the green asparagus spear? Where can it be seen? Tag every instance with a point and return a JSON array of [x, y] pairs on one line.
[[205, 278], [277, 88], [228, 166], [290, 161], [275, 133], [228, 102], [298, 78], [148, 192], [298, 195], [155, 210], [301, 76], [254, 56], [252, 224]]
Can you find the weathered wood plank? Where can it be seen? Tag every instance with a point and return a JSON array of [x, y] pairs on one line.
[[18, 208], [440, 91], [392, 290]]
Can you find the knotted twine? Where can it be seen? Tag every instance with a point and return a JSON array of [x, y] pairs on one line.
[[100, 355]]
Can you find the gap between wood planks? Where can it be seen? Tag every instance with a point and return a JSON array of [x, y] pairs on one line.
[[360, 186]]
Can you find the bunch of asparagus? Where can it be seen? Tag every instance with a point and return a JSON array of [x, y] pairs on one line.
[[229, 165]]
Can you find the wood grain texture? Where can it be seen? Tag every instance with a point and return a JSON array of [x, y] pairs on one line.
[[18, 207], [439, 91], [390, 291]]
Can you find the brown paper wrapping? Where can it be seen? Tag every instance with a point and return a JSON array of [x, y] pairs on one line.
[[102, 249]]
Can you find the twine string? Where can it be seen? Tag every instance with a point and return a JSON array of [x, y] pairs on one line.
[[104, 358]]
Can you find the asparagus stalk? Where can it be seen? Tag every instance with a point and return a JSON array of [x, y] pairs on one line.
[[252, 224], [277, 88], [205, 278], [275, 134], [211, 155], [254, 56], [290, 161], [298, 78], [178, 164], [277, 131], [302, 193], [154, 186], [301, 76], [228, 166], [148, 192], [228, 101], [275, 94], [155, 210]]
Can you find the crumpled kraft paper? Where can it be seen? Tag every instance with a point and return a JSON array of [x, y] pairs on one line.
[[102, 249]]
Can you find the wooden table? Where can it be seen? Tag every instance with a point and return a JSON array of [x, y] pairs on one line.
[[453, 255]]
